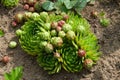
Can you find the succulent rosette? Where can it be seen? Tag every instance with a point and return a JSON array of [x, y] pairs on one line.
[[71, 61], [30, 37], [49, 63], [59, 43], [9, 3]]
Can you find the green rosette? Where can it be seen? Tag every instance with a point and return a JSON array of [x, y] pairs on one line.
[[30, 39], [49, 63], [9, 3], [71, 61], [88, 43]]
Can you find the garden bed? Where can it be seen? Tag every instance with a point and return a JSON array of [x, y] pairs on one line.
[[107, 68]]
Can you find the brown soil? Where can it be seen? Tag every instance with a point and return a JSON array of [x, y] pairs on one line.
[[107, 68]]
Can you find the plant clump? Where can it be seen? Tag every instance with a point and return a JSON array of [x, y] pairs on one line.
[[59, 42], [9, 3]]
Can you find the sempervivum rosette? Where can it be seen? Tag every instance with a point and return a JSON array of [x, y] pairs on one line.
[[9, 3], [71, 61], [49, 63], [30, 37]]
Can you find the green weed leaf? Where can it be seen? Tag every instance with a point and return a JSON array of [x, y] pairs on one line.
[[15, 74], [48, 5], [1, 33], [80, 5], [59, 6], [104, 22], [69, 4]]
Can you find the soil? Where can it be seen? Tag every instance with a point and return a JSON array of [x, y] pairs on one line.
[[108, 66]]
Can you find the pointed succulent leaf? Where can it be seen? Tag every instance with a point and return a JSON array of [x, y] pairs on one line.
[[47, 26], [44, 16]]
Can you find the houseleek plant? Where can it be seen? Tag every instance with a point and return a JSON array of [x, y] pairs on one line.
[[58, 44]]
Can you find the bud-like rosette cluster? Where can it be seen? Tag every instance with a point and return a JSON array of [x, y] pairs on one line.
[[59, 42], [81, 53], [88, 63], [44, 35], [49, 48]]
